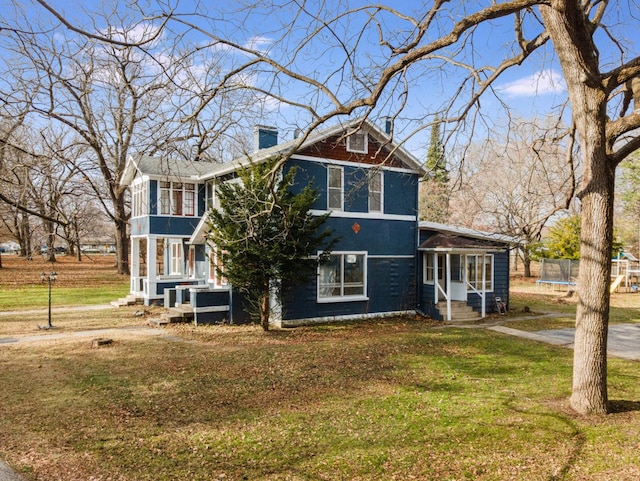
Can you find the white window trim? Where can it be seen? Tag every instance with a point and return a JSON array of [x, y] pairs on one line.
[[365, 143], [381, 174], [341, 208], [139, 198], [184, 192], [491, 259], [176, 244], [215, 280], [352, 298], [426, 269]]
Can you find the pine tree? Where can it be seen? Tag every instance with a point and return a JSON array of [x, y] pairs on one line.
[[265, 234], [434, 191], [436, 164]]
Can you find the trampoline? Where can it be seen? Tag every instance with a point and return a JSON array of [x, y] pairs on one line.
[[558, 273]]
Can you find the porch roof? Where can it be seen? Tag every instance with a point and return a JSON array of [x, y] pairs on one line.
[[452, 243], [497, 239], [200, 234]]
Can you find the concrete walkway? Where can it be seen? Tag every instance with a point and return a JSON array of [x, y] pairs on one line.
[[8, 474], [623, 340], [52, 335]]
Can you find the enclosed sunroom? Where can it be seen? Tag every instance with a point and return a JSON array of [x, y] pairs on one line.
[[464, 273]]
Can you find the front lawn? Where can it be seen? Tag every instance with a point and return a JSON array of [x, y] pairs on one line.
[[399, 399]]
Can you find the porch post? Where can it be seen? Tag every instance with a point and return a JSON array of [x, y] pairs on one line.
[[447, 286], [435, 278], [135, 265], [151, 261], [484, 284]]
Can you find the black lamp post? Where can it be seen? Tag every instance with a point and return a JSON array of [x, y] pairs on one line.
[[50, 278]]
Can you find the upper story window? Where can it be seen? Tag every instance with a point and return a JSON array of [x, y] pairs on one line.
[[211, 195], [177, 198], [335, 187], [358, 142], [375, 191], [139, 199]]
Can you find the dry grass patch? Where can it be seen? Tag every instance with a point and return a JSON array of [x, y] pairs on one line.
[[379, 400]]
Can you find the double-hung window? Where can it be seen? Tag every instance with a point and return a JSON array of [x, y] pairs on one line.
[[139, 199], [335, 187], [375, 191], [189, 200], [475, 266], [342, 277], [165, 198]]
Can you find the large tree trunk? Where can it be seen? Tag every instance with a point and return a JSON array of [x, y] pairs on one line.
[[526, 262], [567, 26], [265, 309], [122, 237], [592, 315]]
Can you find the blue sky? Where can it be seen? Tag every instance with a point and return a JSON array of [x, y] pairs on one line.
[[533, 89]]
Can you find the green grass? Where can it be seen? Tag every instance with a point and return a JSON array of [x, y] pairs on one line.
[[37, 296], [379, 400]]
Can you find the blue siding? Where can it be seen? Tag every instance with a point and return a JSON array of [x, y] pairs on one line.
[[162, 285], [390, 288], [400, 193], [172, 225], [207, 299], [376, 236], [427, 306], [400, 189]]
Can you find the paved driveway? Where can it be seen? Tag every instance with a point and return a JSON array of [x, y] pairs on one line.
[[624, 339]]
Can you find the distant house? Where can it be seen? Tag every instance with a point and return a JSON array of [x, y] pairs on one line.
[[380, 266]]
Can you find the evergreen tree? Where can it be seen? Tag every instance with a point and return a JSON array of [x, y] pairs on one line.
[[434, 190], [436, 164], [265, 234]]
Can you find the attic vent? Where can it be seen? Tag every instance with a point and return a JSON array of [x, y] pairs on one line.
[[357, 142]]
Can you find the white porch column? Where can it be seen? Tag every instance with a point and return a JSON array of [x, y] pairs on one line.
[[435, 278], [447, 286], [135, 265], [151, 259], [484, 285]]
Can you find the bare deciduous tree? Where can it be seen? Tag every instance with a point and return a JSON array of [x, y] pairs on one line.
[[515, 182], [365, 59], [328, 60]]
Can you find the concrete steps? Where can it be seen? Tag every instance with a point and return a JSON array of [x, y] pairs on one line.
[[130, 300], [179, 313], [460, 312]]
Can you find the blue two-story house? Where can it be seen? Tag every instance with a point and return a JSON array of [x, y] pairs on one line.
[[368, 184]]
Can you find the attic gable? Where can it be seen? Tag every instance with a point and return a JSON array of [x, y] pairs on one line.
[[375, 152]]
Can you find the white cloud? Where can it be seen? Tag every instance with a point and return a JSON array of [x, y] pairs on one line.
[[539, 83], [135, 34], [258, 43]]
